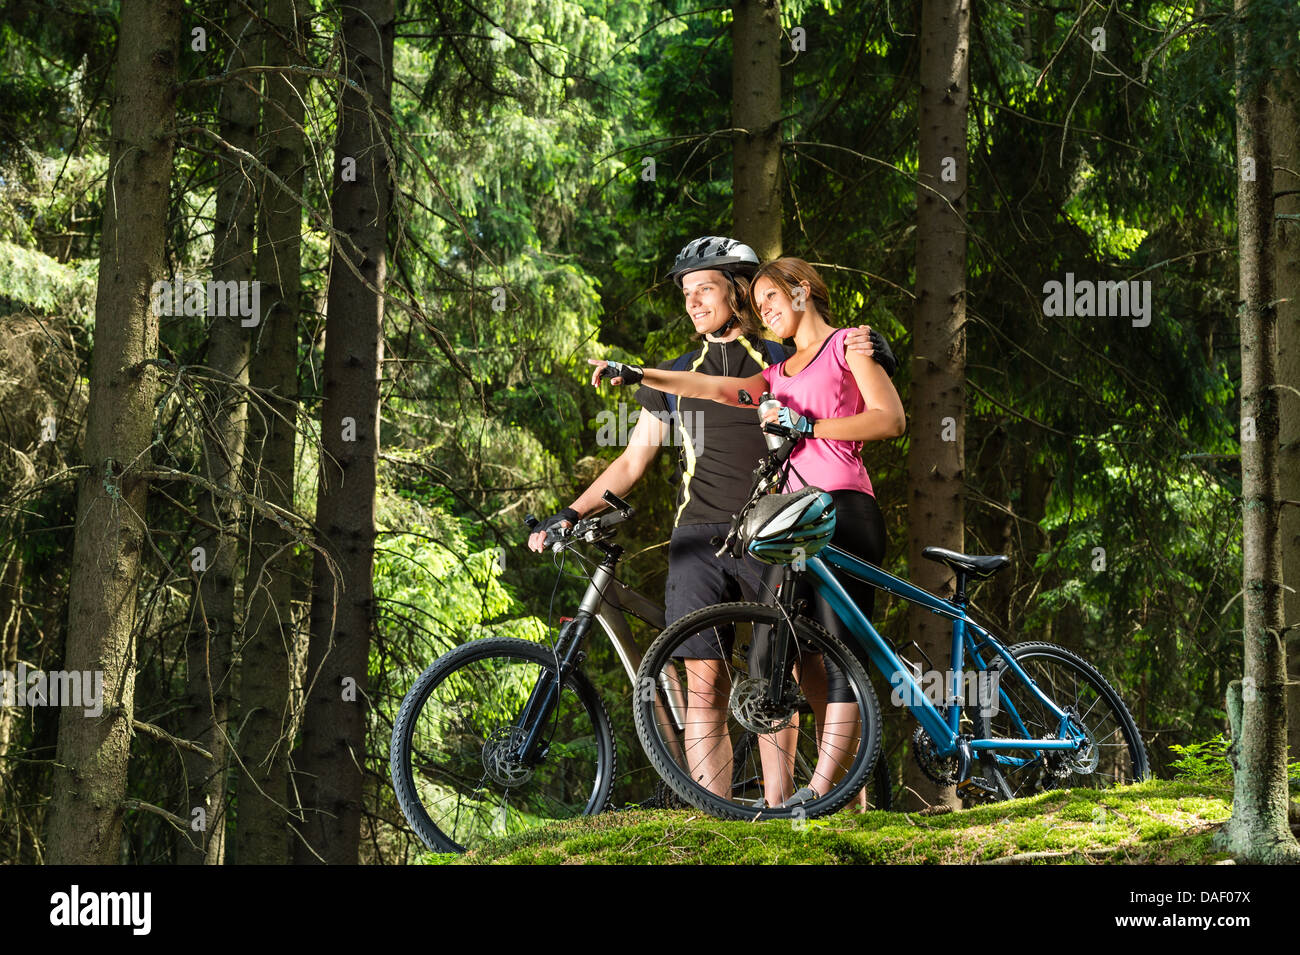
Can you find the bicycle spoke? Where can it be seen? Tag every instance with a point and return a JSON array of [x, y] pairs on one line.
[[1114, 754], [768, 730], [456, 747]]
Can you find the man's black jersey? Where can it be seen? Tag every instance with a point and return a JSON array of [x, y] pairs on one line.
[[720, 445]]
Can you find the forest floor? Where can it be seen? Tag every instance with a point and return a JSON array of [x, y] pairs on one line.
[[1155, 822]]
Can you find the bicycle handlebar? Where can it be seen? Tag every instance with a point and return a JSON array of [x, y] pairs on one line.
[[590, 529], [769, 468]]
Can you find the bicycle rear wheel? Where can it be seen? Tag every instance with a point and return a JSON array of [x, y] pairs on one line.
[[730, 700], [1115, 754], [451, 759]]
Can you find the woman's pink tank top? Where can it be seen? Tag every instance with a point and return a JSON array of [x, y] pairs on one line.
[[824, 389]]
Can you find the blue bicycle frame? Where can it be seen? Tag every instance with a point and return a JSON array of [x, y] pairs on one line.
[[943, 728]]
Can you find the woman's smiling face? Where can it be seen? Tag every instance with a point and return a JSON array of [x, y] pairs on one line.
[[776, 308]]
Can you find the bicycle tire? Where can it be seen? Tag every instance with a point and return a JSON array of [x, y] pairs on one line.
[[1121, 755], [661, 747], [446, 710]]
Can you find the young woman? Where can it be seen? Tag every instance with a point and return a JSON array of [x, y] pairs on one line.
[[837, 400]]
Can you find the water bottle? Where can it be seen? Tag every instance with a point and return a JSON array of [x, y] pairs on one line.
[[766, 403]]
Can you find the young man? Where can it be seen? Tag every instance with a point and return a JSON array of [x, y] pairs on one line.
[[720, 447]]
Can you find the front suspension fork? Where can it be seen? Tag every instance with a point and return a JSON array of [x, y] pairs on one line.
[[781, 639], [546, 693]]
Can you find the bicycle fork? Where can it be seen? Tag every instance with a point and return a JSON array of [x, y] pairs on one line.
[[770, 654], [545, 696]]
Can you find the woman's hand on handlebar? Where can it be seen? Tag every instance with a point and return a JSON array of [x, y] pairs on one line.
[[788, 419]]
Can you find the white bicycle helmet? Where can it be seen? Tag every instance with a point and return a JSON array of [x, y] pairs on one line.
[[782, 528], [714, 252]]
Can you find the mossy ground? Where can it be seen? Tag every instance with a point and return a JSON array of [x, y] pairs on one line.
[[1158, 821]]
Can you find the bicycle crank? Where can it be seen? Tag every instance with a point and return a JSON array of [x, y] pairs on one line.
[[938, 769], [977, 789]]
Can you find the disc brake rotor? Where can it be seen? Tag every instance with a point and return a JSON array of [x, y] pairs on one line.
[[752, 709], [499, 760], [1084, 760]]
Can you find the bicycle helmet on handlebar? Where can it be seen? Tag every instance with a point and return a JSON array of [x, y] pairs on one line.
[[714, 252], [781, 528]]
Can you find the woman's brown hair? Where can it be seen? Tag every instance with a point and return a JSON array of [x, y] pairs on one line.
[[787, 274]]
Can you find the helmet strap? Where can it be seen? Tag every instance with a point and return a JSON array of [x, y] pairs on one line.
[[726, 327], [734, 320]]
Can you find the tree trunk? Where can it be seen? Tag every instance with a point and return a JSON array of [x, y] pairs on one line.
[[85, 816], [1258, 830], [270, 635], [936, 459], [209, 645], [756, 109], [11, 614], [333, 755], [1285, 129]]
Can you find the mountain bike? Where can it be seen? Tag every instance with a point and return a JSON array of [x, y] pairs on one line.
[[1035, 716], [503, 734]]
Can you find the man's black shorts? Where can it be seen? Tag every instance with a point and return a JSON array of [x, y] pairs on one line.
[[698, 579]]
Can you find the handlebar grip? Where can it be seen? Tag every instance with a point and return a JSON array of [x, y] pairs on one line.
[[532, 522], [614, 517], [780, 430]]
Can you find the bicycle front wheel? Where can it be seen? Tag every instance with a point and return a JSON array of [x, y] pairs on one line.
[[1114, 755], [452, 758], [818, 727]]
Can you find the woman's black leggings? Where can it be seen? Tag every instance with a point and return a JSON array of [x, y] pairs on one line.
[[860, 530]]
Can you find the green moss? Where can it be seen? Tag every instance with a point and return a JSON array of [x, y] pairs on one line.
[[1159, 821]]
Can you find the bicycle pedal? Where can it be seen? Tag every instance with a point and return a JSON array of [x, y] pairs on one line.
[[976, 786]]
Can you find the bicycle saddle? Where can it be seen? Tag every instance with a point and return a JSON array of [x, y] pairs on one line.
[[976, 566]]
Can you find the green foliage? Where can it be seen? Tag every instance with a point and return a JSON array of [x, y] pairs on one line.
[[31, 279], [439, 583], [1206, 761]]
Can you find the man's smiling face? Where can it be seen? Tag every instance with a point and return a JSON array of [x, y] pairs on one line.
[[705, 296]]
